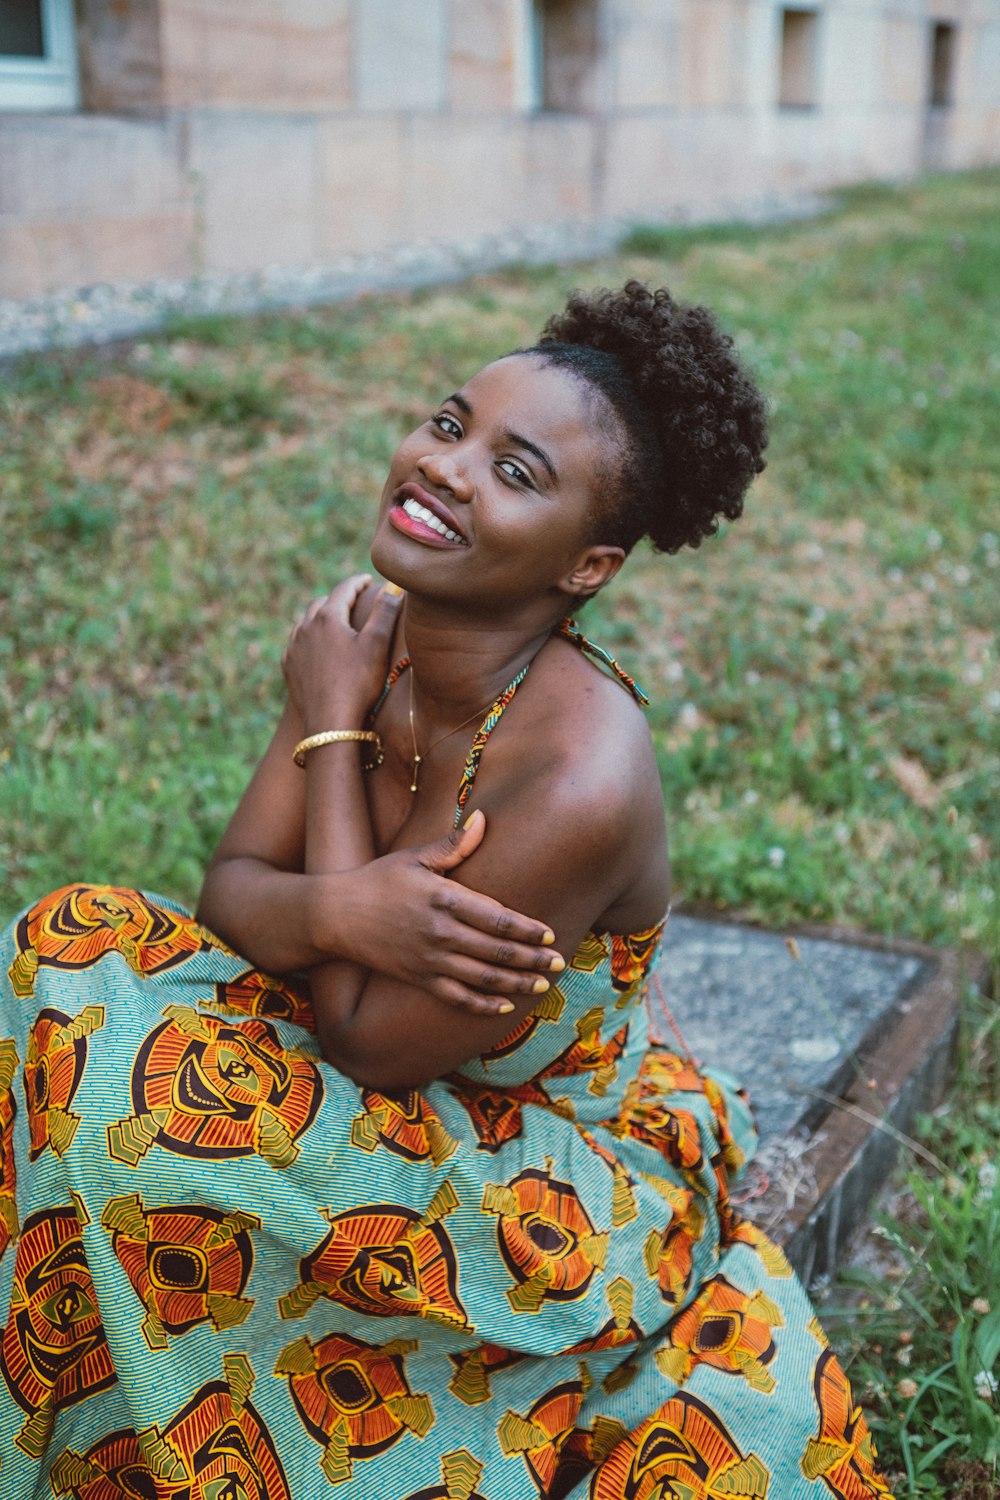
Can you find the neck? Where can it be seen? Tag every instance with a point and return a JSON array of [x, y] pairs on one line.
[[460, 665]]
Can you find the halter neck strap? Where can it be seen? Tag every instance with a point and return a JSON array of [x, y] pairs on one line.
[[568, 630]]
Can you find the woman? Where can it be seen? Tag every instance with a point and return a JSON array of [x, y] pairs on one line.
[[471, 1240]]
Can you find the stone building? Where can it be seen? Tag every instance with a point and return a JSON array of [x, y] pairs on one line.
[[144, 139]]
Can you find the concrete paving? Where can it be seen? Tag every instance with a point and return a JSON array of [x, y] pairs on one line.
[[841, 1040]]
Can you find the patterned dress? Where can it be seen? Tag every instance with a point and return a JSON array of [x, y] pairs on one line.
[[229, 1273]]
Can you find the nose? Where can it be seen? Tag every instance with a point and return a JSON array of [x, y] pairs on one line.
[[444, 471]]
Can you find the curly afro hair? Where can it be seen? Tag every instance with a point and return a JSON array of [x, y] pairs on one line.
[[695, 423]]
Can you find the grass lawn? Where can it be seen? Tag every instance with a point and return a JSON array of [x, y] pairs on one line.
[[825, 677]]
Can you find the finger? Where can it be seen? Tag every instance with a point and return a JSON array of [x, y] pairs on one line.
[[342, 599], [473, 909], [490, 979], [464, 944], [457, 845], [464, 998], [382, 621]]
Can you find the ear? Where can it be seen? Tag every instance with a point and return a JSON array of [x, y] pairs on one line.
[[594, 567]]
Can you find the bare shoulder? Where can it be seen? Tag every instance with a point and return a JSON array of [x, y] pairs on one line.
[[579, 748], [592, 726]]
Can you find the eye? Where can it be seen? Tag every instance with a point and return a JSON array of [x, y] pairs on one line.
[[514, 471], [447, 424]]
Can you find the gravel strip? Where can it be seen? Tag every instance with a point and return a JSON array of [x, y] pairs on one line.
[[105, 312]]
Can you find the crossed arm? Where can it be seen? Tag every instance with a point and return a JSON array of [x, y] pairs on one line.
[[296, 879]]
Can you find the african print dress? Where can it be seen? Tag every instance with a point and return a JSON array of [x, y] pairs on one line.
[[228, 1273]]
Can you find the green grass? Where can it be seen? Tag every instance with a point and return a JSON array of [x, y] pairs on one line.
[[825, 679]]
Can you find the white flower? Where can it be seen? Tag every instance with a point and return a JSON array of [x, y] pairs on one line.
[[928, 583], [689, 717], [813, 551], [973, 673], [750, 797], [933, 540], [986, 1385], [776, 856], [815, 618], [751, 678], [894, 575], [842, 833], [988, 1176], [992, 700], [961, 574], [674, 671]]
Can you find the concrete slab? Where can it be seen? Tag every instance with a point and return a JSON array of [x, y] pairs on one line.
[[841, 1039]]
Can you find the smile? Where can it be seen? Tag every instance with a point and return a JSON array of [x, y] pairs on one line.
[[421, 513], [410, 515]]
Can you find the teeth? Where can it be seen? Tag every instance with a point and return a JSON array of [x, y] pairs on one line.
[[421, 513]]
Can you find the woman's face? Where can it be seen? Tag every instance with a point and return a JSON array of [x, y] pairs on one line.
[[491, 501]]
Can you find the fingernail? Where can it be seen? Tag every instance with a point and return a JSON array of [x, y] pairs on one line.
[[504, 1010], [393, 590], [548, 937], [470, 819], [557, 965], [540, 986]]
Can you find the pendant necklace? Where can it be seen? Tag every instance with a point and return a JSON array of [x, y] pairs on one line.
[[419, 759]]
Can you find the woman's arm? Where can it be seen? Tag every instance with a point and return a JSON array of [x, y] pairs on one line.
[[256, 895], [601, 837]]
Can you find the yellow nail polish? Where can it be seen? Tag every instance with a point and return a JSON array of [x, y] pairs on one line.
[[393, 590], [505, 1010], [540, 986], [548, 937], [557, 965]]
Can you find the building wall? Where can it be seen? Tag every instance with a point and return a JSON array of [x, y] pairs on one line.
[[233, 135]]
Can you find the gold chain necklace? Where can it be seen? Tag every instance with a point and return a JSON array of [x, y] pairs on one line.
[[419, 759]]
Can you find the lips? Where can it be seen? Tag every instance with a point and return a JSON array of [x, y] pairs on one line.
[[422, 515]]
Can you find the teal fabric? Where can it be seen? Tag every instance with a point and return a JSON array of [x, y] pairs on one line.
[[227, 1272]]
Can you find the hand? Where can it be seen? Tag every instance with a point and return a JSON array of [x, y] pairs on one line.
[[335, 672], [422, 929]]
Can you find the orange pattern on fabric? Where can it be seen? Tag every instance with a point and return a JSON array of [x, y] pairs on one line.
[[539, 1436], [685, 1442], [403, 1123], [257, 994], [75, 926], [353, 1398], [547, 1239], [54, 1352], [205, 1089], [387, 1261], [843, 1454], [57, 1056], [188, 1264], [216, 1448], [726, 1329], [8, 1162]]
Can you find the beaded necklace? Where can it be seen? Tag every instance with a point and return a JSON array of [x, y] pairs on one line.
[[568, 630]]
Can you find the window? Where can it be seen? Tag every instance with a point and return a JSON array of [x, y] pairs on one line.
[[797, 88], [37, 55], [942, 79], [564, 53]]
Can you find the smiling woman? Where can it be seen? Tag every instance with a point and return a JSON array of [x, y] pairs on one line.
[[361, 1087]]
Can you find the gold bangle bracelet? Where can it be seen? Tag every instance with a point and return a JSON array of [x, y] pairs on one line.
[[337, 737]]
